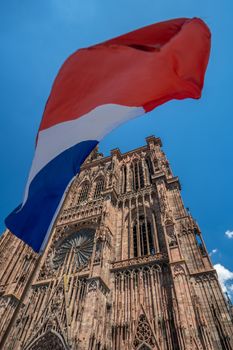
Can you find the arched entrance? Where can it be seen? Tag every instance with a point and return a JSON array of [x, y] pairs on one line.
[[50, 340]]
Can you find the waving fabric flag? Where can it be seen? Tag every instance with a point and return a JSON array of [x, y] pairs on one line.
[[97, 89]]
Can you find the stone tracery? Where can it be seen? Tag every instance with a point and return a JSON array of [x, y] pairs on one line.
[[51, 340], [144, 336], [80, 243]]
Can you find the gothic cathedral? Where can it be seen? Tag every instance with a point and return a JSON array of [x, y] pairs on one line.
[[125, 268]]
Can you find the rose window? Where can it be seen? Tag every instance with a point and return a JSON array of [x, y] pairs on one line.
[[79, 243]]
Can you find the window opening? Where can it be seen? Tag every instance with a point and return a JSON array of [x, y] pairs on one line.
[[124, 179], [99, 188], [135, 246], [143, 243], [150, 168], [83, 193], [199, 243], [138, 176]]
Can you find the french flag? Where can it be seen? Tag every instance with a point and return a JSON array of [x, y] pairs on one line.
[[97, 89]]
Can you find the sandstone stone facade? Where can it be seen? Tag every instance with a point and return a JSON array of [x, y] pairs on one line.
[[125, 268]]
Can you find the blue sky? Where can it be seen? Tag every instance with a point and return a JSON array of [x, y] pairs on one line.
[[37, 36]]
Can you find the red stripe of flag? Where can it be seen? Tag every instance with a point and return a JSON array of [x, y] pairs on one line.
[[144, 68]]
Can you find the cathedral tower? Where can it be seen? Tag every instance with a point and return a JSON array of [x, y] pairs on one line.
[[125, 268]]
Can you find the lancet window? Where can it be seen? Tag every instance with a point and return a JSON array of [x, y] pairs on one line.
[[149, 167], [84, 192], [199, 242], [124, 179], [99, 188], [142, 238], [138, 176]]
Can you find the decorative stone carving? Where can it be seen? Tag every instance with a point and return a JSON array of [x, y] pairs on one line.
[[205, 276], [92, 286], [144, 347], [170, 231], [178, 270], [137, 272], [104, 235], [162, 201], [139, 260], [97, 283], [98, 251], [3, 304], [81, 243], [144, 336], [51, 340]]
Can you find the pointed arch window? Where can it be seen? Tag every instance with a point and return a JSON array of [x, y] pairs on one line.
[[83, 195], [149, 167], [143, 243], [99, 188], [124, 179], [135, 241], [138, 176], [199, 242]]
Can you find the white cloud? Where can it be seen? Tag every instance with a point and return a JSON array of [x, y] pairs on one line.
[[229, 234], [225, 277], [214, 251]]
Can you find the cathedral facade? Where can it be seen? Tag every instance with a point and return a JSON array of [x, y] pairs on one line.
[[125, 267]]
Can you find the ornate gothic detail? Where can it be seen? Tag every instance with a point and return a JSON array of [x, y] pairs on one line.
[[138, 272], [97, 283], [144, 336], [178, 270], [139, 261], [170, 231], [205, 276], [80, 243], [144, 347], [104, 235], [51, 340], [92, 286], [163, 201]]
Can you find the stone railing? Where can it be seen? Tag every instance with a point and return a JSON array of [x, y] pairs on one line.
[[133, 193], [142, 260], [83, 210]]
